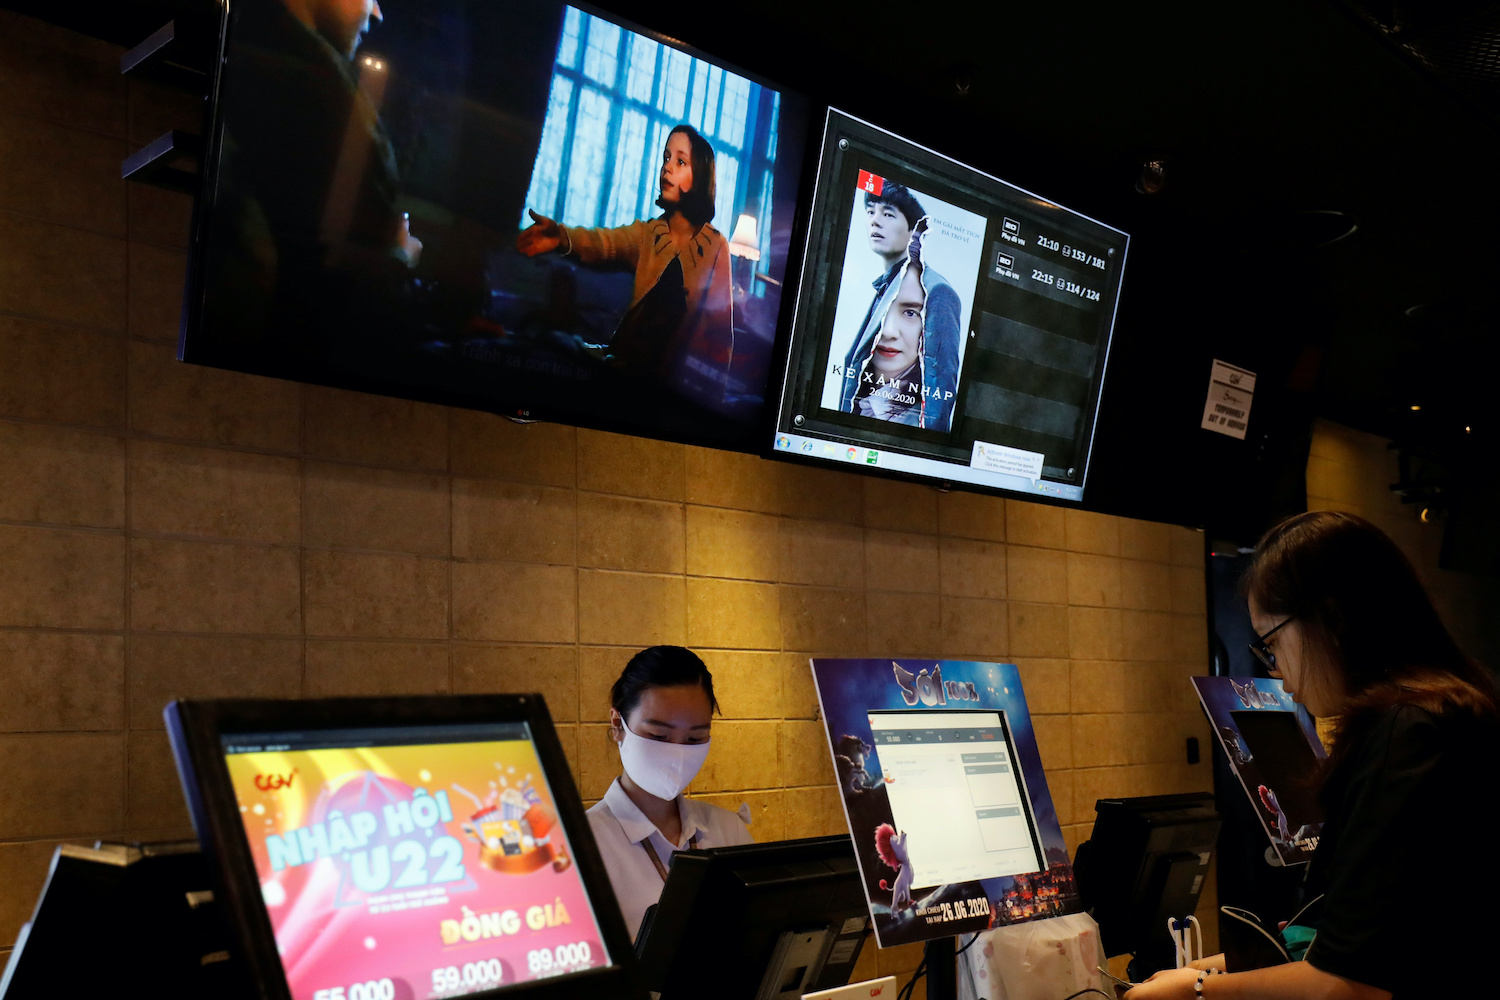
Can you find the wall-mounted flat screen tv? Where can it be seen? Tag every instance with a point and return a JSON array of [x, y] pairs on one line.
[[949, 325], [531, 208]]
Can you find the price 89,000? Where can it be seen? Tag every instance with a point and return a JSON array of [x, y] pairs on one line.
[[563, 958]]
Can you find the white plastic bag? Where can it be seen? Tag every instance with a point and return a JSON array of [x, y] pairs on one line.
[[1038, 960]]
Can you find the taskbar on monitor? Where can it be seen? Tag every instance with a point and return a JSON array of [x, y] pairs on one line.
[[843, 453]]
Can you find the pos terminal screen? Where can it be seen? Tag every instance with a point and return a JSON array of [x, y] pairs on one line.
[[411, 861], [957, 793]]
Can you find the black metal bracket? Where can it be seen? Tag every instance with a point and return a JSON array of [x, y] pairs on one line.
[[155, 162], [173, 56], [177, 54]]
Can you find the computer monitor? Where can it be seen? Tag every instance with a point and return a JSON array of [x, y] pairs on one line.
[[756, 921], [1270, 745], [948, 325], [942, 786], [957, 795], [359, 220], [154, 926], [388, 849], [1145, 863], [1283, 758]]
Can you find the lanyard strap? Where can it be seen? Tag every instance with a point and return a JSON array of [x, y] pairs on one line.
[[661, 869]]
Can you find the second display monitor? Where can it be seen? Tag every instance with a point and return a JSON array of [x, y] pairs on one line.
[[949, 325]]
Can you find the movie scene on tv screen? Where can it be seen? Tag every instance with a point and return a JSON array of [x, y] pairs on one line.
[[528, 208], [949, 325]]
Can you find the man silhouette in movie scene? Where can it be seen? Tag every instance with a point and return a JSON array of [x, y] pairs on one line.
[[314, 252], [678, 329]]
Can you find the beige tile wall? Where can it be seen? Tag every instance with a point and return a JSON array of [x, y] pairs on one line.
[[173, 531], [1353, 471]]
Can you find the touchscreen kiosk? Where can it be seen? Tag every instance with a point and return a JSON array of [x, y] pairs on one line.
[[937, 767], [382, 849], [956, 796], [948, 325], [1269, 742], [756, 921]]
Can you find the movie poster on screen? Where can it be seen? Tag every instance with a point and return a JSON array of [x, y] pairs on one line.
[[905, 298], [1273, 746], [937, 796], [413, 871]]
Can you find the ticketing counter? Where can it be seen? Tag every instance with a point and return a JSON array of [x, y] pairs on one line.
[[384, 849]]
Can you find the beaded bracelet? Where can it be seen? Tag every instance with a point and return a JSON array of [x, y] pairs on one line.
[[1198, 986]]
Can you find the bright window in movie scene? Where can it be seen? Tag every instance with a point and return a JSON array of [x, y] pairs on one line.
[[949, 325], [411, 863], [526, 208], [623, 94]]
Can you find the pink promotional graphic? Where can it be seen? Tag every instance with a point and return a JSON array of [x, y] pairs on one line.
[[413, 872]]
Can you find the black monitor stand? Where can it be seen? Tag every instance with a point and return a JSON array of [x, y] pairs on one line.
[[941, 960]]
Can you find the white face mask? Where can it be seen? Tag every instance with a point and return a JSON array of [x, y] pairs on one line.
[[662, 769]]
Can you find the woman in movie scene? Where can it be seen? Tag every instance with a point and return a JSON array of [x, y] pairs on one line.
[[1408, 888], [680, 308], [661, 711]]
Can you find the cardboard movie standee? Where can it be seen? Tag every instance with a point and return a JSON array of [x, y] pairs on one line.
[[1273, 748], [953, 825]]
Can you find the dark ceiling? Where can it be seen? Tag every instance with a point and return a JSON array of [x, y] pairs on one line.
[[1267, 116]]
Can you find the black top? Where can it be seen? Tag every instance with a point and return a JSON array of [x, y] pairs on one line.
[[1409, 874]]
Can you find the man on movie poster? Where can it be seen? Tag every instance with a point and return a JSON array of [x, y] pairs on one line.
[[901, 363], [891, 212], [908, 373]]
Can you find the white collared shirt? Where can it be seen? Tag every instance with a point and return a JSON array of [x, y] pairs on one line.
[[619, 827]]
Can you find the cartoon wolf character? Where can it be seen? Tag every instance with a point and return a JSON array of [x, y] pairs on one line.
[[891, 847]]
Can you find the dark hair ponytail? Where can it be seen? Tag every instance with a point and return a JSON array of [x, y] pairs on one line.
[[660, 666]]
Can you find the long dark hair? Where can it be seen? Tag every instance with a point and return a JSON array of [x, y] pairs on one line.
[[1364, 614], [696, 203], [660, 666]]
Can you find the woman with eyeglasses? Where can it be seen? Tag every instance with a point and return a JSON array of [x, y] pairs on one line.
[[1409, 877]]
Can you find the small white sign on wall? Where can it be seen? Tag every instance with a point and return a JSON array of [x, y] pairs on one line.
[[1230, 393]]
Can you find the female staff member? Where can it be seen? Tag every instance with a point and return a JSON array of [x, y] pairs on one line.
[[1341, 618], [661, 710], [680, 308]]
